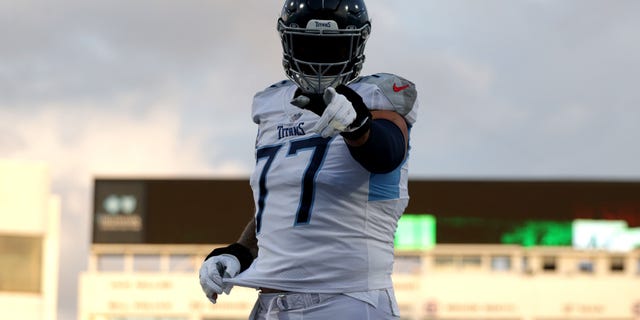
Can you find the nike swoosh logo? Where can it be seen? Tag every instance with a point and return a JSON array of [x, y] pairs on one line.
[[400, 88]]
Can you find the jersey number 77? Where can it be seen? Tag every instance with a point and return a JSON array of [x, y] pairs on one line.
[[319, 146]]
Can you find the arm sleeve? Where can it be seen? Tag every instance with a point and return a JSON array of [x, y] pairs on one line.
[[384, 150]]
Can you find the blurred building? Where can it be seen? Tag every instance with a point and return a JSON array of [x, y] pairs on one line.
[[29, 242], [465, 250]]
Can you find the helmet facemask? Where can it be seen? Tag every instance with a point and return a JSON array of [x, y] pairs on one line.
[[321, 55]]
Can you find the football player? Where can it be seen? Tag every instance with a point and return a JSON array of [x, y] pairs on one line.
[[330, 180]]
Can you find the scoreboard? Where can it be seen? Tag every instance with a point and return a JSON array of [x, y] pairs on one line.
[[525, 212]]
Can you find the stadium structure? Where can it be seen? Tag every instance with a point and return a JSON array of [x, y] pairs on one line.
[[465, 249], [29, 242]]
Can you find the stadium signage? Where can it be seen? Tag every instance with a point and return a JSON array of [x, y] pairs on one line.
[[119, 212]]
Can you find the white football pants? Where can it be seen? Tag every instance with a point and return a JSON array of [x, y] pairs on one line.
[[320, 306]]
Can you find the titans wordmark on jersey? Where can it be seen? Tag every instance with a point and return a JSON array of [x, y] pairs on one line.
[[323, 222]]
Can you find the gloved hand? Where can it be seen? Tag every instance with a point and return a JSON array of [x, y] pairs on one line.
[[345, 112], [213, 270], [338, 115]]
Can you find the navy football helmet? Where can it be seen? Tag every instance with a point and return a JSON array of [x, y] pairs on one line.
[[323, 42]]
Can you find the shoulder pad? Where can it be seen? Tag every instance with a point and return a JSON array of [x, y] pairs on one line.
[[269, 100], [277, 85], [281, 83], [400, 92], [270, 90]]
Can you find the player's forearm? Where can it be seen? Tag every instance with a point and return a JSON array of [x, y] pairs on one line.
[[248, 238], [245, 249], [383, 147]]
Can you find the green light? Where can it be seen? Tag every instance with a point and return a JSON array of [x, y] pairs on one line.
[[416, 232], [540, 233]]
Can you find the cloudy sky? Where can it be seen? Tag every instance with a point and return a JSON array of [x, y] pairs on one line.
[[162, 88]]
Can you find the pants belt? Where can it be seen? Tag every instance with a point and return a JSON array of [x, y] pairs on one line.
[[270, 290]]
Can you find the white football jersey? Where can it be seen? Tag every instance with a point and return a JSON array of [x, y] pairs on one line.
[[324, 223]]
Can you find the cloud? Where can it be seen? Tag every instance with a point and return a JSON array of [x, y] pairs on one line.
[[106, 142], [78, 50], [518, 88]]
